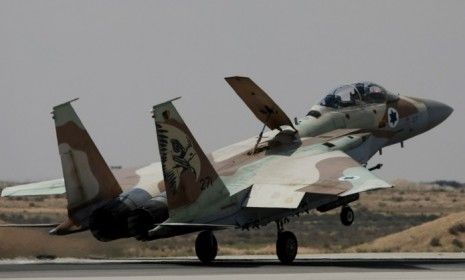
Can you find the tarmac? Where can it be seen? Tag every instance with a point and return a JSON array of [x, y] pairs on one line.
[[331, 266]]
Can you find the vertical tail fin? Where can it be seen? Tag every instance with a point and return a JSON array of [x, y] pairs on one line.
[[89, 181], [192, 184]]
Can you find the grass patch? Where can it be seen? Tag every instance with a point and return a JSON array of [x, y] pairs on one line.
[[435, 242], [457, 243], [457, 229]]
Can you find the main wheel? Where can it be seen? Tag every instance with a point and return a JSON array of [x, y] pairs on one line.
[[347, 216], [206, 247], [286, 247]]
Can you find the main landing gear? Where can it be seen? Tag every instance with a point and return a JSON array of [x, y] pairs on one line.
[[286, 245], [347, 216], [206, 247]]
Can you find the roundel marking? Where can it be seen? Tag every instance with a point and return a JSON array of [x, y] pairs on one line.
[[348, 178], [393, 117]]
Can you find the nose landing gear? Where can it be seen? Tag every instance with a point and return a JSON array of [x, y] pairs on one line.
[[347, 216]]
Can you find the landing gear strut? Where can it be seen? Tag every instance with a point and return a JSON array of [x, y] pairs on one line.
[[286, 245], [347, 216], [206, 247]]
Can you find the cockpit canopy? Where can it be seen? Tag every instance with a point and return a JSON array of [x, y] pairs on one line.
[[355, 94]]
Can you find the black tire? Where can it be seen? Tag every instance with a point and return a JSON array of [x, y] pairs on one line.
[[206, 247], [347, 216], [286, 247]]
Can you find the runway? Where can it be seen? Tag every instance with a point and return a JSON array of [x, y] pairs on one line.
[[347, 267]]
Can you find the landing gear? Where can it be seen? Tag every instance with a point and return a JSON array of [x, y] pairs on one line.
[[347, 216], [206, 247], [286, 245]]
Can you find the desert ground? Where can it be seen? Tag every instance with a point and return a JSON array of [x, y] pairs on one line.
[[412, 217]]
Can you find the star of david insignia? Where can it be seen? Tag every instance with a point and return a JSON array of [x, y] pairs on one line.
[[393, 117]]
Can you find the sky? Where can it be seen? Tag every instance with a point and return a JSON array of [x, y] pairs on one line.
[[122, 57]]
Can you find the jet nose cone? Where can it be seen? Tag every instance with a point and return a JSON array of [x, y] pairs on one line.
[[437, 112]]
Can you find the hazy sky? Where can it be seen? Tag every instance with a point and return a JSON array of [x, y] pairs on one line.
[[122, 57]]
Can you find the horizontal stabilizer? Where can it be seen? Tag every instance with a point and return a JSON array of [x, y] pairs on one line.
[[263, 107], [52, 187], [64, 228], [28, 225]]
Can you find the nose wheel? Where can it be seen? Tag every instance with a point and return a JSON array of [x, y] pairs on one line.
[[347, 216], [206, 247], [286, 245]]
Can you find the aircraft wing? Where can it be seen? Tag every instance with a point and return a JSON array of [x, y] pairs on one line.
[[284, 182], [51, 187], [263, 107]]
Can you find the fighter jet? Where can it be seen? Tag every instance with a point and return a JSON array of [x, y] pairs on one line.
[[318, 162]]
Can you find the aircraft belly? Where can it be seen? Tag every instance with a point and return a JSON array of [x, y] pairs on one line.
[[254, 217]]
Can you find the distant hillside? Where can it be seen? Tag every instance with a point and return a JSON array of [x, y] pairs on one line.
[[446, 234], [448, 183]]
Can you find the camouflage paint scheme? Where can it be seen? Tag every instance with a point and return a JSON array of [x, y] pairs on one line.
[[314, 163], [309, 164]]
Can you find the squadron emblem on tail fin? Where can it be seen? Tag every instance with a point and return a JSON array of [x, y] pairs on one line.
[[187, 171], [178, 156]]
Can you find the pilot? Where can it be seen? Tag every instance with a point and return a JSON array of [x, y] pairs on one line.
[[360, 88], [354, 97], [332, 101]]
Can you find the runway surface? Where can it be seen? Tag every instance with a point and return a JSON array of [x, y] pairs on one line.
[[347, 267]]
